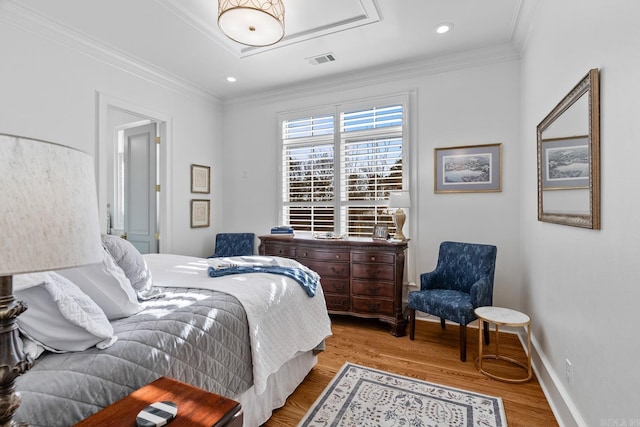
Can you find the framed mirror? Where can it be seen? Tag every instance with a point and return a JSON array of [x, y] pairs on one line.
[[569, 158]]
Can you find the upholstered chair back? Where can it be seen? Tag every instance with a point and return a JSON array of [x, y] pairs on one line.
[[460, 265], [233, 244]]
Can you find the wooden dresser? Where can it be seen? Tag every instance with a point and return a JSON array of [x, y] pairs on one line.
[[360, 276]]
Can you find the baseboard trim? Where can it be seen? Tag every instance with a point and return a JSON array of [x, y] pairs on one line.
[[562, 405]]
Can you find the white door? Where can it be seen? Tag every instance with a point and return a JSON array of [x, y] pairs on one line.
[[140, 195]]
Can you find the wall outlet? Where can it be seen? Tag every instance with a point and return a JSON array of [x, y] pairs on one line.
[[568, 371]]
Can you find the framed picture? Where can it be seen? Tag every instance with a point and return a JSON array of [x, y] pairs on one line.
[[200, 213], [200, 179], [565, 163], [471, 168], [380, 232]]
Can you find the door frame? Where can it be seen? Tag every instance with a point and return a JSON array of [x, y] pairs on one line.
[[104, 134]]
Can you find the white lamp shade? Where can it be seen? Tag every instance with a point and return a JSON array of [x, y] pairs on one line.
[[399, 199], [252, 22], [48, 207]]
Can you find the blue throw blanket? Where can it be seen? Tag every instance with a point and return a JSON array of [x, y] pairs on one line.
[[308, 279]]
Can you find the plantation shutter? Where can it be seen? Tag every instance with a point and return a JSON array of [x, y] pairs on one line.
[[371, 166], [339, 179], [308, 173]]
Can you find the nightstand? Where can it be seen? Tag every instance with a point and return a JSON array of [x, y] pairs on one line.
[[196, 407]]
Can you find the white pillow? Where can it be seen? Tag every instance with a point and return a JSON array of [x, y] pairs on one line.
[[132, 263], [107, 285], [60, 316]]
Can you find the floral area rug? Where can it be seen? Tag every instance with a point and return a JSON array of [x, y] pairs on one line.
[[361, 396]]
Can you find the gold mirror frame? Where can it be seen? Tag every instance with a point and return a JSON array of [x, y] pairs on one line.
[[588, 85]]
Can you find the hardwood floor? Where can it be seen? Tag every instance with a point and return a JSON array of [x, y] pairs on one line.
[[433, 356]]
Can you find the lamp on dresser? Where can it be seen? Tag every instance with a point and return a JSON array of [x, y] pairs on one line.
[[397, 201], [48, 220]]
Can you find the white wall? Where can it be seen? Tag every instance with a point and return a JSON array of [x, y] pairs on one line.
[[581, 286], [48, 90], [468, 106]]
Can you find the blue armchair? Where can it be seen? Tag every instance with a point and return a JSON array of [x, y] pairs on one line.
[[233, 244], [462, 281]]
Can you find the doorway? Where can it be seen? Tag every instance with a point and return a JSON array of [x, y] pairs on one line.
[[135, 197], [132, 173]]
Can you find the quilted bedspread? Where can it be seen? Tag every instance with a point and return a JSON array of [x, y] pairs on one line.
[[224, 338], [283, 319], [193, 335]]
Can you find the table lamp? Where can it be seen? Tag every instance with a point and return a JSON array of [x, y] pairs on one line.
[[397, 201], [48, 221]]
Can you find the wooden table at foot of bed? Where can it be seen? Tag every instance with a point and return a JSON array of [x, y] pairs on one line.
[[196, 407]]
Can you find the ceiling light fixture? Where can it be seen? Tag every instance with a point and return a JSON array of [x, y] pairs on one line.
[[445, 27], [252, 22], [231, 79]]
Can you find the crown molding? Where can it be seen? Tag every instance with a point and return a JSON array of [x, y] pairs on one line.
[[28, 19], [523, 22], [384, 74]]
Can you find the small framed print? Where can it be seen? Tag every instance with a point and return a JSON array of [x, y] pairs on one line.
[[200, 213], [380, 232], [565, 163], [200, 179], [471, 168]]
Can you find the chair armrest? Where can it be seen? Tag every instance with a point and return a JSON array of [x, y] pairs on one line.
[[430, 280], [481, 293]]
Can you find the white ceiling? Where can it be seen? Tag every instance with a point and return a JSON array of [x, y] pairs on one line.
[[180, 40]]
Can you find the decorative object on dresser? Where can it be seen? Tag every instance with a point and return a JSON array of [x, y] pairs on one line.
[[380, 232], [360, 277], [397, 201], [461, 282], [196, 407], [37, 178]]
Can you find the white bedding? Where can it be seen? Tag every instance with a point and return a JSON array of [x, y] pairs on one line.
[[273, 304]]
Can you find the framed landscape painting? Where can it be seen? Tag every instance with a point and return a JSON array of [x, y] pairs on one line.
[[565, 163], [471, 168]]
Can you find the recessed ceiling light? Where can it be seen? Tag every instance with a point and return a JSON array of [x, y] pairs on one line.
[[445, 27], [231, 79]]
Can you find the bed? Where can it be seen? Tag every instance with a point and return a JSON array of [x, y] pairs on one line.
[[250, 336]]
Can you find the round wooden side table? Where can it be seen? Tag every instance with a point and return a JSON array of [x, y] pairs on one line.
[[500, 316]]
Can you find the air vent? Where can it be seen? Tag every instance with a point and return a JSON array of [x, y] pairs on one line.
[[322, 59]]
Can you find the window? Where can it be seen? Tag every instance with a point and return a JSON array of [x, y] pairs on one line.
[[337, 173]]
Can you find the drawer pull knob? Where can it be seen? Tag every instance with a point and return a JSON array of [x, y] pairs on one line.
[[373, 258], [337, 256], [305, 254], [336, 271]]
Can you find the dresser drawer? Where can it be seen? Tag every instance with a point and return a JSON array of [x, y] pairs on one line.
[[372, 305], [377, 257], [323, 255], [337, 302], [335, 286], [275, 249], [371, 288], [373, 271], [326, 269]]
